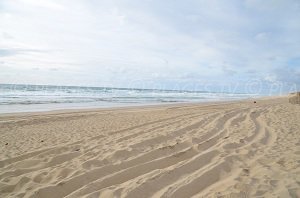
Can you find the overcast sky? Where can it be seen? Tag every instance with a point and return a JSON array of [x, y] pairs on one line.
[[171, 44]]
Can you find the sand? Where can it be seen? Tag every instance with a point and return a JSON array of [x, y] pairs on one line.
[[234, 149], [294, 98]]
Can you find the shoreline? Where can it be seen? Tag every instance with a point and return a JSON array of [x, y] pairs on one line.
[[135, 106]]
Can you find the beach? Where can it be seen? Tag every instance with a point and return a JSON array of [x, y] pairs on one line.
[[221, 149]]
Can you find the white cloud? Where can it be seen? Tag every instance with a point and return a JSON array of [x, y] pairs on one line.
[[42, 4], [113, 42]]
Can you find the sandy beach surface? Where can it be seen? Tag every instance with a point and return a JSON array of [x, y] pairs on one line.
[[233, 149]]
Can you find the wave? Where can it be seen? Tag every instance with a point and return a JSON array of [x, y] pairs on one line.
[[42, 94]]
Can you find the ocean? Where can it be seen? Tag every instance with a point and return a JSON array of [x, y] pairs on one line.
[[32, 98]]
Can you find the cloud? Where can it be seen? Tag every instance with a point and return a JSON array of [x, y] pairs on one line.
[[262, 36], [13, 52], [228, 71], [42, 4], [287, 75], [7, 52], [113, 43], [5, 35]]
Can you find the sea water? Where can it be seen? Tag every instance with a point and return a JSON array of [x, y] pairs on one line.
[[30, 98]]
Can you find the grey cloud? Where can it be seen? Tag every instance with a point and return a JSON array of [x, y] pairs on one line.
[[228, 71], [251, 71], [6, 35], [288, 75], [4, 52], [283, 75], [7, 52]]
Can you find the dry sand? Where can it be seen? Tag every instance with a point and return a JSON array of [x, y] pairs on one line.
[[294, 98], [237, 149]]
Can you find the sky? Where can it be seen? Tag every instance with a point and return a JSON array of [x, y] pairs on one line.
[[211, 45]]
